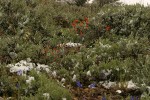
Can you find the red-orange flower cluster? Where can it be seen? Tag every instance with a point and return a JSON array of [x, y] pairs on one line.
[[78, 23], [108, 28]]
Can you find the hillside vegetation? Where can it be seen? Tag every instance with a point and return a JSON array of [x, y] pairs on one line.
[[59, 51]]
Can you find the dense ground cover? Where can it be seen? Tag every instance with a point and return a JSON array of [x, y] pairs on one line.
[[54, 51]]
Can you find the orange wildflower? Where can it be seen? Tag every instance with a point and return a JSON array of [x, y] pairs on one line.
[[76, 21], [81, 23], [73, 24], [86, 19], [108, 28]]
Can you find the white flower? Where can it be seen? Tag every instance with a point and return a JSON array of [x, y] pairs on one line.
[[89, 1], [88, 73], [63, 80], [131, 85], [107, 46], [38, 68], [23, 62], [46, 95], [54, 74], [37, 72], [119, 91], [10, 65], [47, 70], [30, 79], [148, 88], [108, 85], [70, 44], [28, 60], [77, 65], [74, 78], [64, 99]]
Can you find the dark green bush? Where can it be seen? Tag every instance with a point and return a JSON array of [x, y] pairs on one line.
[[80, 2]]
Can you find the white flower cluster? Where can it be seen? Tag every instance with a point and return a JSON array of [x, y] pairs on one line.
[[128, 84], [29, 80], [131, 85], [107, 46], [108, 85], [70, 44], [42, 67], [46, 95], [25, 65], [131, 43], [88, 73]]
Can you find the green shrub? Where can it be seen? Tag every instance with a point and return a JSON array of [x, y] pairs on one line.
[[122, 21]]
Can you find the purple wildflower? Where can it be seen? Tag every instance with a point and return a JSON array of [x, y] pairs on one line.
[[132, 98], [137, 98], [79, 84], [103, 98], [92, 85], [19, 72]]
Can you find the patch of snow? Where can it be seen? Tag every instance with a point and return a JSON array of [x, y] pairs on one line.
[[133, 2]]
